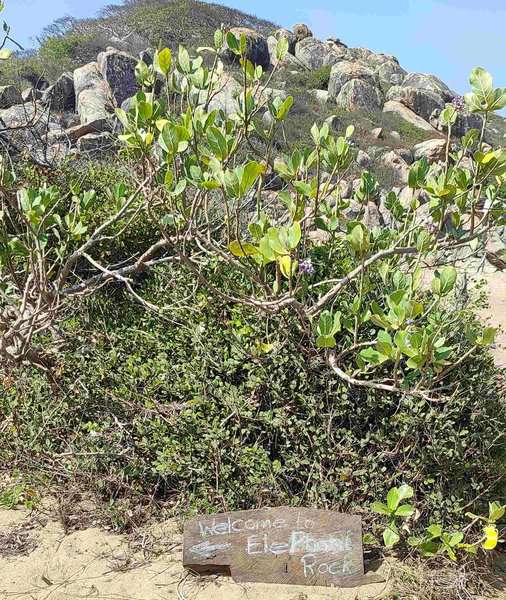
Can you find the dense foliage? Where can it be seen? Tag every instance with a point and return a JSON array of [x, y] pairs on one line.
[[210, 324]]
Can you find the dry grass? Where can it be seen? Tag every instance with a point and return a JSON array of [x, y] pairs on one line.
[[444, 580]]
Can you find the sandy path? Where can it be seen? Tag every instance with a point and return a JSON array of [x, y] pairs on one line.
[[95, 564]]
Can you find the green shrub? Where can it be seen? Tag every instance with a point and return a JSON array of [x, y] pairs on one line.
[[189, 408]]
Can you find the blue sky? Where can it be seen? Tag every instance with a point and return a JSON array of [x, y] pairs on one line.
[[445, 37]]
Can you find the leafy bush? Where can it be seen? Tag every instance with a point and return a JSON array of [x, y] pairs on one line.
[[194, 408], [233, 346]]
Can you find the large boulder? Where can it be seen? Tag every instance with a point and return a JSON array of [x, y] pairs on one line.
[[422, 102], [390, 73], [431, 83], [407, 114], [314, 54], [9, 96], [61, 95], [28, 130], [226, 97], [118, 69], [465, 121], [93, 97], [359, 95], [345, 71], [257, 49], [433, 150], [301, 31]]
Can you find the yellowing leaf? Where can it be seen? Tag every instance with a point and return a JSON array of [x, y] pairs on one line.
[[287, 265], [242, 248], [491, 537]]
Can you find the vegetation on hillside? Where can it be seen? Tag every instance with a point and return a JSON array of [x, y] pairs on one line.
[[205, 321]]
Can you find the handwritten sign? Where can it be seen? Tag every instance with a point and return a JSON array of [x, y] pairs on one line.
[[278, 545]]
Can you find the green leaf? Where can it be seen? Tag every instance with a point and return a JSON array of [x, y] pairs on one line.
[[218, 39], [233, 43], [242, 248], [405, 491], [380, 508], [184, 60], [405, 510], [481, 81], [373, 356], [391, 535], [488, 336], [393, 499], [163, 61], [251, 171], [495, 511], [282, 48], [435, 531], [284, 108], [294, 235], [287, 265], [444, 281], [325, 341]]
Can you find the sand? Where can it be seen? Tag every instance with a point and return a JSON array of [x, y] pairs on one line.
[[93, 563]]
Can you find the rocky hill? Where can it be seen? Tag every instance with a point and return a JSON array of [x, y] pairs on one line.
[[396, 113]]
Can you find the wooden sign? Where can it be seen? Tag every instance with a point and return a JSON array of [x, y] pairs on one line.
[[278, 545]]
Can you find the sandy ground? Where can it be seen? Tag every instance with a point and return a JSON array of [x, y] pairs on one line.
[[49, 565], [496, 314]]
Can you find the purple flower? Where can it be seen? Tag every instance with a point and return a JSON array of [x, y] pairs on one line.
[[458, 103], [410, 322], [306, 267]]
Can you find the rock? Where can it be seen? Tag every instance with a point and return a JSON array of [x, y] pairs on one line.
[[226, 98], [31, 94], [118, 70], [301, 31], [257, 50], [363, 160], [422, 102], [147, 56], [433, 150], [9, 96], [390, 73], [395, 135], [74, 133], [28, 130], [268, 94], [314, 54], [358, 94], [393, 161], [94, 143], [345, 71], [61, 95], [93, 95], [429, 83], [405, 154], [465, 121], [372, 216], [320, 96], [407, 114], [377, 133]]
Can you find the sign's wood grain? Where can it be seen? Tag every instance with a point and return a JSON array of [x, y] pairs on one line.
[[278, 545]]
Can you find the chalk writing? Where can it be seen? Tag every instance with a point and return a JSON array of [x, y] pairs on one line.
[[278, 545]]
